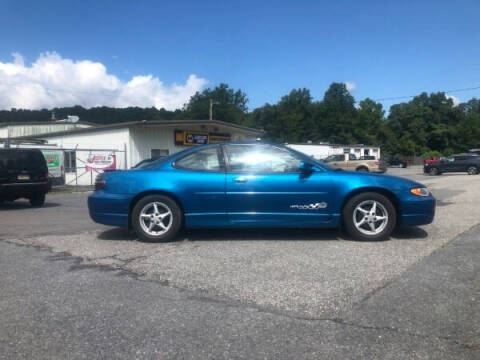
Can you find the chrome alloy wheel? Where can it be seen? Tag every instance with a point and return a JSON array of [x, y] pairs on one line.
[[370, 217], [156, 218]]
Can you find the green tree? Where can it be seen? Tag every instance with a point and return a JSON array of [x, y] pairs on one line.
[[229, 105]]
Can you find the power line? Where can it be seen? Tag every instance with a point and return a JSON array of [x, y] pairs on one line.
[[412, 96]]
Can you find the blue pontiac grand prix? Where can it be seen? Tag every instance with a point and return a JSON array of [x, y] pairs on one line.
[[234, 185]]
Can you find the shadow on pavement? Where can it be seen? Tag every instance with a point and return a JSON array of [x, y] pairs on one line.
[[22, 205], [260, 234], [117, 234], [121, 234], [409, 233]]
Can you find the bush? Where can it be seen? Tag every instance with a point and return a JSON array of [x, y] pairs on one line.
[[432, 153]]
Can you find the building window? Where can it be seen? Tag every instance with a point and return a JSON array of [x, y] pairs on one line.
[[346, 150], [70, 161], [358, 150], [158, 153]]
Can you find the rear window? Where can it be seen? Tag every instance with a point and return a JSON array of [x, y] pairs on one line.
[[21, 160]]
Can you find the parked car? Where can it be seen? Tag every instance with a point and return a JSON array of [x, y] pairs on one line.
[[469, 163], [350, 162], [23, 174], [474, 151], [396, 161], [234, 185], [431, 160]]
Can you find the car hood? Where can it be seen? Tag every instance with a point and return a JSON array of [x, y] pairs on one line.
[[383, 180]]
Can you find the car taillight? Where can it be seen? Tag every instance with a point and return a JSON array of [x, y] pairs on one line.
[[377, 163], [100, 182]]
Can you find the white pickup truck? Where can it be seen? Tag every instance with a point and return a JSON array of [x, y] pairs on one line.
[[350, 162]]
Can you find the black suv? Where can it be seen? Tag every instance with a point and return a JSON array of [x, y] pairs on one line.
[[396, 161], [23, 174], [469, 163]]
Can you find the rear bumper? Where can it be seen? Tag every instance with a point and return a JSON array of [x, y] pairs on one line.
[[18, 190], [109, 209]]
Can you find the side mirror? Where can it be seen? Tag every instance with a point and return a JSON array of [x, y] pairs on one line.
[[305, 168]]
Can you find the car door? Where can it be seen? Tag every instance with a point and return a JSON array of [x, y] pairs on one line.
[[461, 163], [447, 165], [264, 186], [201, 187]]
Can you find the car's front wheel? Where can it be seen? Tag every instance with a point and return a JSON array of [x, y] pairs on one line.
[[156, 218], [434, 171], [369, 217]]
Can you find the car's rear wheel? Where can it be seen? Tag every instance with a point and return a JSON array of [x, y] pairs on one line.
[[472, 170], [37, 200], [362, 169], [369, 217], [156, 218], [434, 171]]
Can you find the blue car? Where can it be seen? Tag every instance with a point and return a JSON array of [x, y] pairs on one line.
[[236, 185]]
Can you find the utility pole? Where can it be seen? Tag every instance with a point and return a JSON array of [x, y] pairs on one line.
[[210, 111]]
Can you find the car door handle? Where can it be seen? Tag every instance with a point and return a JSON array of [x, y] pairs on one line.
[[241, 179]]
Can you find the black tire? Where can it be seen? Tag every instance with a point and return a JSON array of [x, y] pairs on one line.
[[434, 171], [167, 203], [348, 214], [361, 169], [472, 170], [37, 200]]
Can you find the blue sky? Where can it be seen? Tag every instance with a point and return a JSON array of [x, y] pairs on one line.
[[266, 48]]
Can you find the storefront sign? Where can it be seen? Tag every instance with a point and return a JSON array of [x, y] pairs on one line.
[[194, 138], [199, 138], [214, 138], [100, 162]]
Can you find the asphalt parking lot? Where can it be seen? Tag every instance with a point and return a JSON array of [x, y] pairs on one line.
[[311, 292]]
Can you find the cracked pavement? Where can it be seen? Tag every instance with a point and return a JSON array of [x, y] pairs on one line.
[[75, 289]]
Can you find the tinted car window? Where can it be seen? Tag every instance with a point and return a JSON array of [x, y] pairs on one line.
[[261, 158], [203, 160], [21, 160]]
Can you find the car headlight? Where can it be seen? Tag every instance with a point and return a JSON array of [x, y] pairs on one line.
[[420, 191]]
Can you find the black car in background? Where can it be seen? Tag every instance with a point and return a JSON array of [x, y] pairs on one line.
[[396, 161], [469, 163], [23, 174]]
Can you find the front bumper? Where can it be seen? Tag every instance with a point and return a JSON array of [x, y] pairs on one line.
[[417, 211]]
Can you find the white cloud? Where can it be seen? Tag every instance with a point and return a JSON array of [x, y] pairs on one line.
[[55, 81], [350, 86], [455, 100]]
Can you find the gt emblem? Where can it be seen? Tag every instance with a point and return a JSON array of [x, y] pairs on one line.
[[315, 206]]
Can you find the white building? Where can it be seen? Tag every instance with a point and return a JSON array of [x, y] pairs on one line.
[[322, 150], [19, 129], [122, 145]]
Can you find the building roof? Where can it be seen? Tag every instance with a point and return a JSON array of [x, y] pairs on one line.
[[335, 145], [23, 123], [141, 123]]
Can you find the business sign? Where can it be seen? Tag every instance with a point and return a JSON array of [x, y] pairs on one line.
[[100, 162], [199, 138], [195, 138], [54, 161], [214, 138]]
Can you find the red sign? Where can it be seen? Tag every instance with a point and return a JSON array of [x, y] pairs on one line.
[[101, 162]]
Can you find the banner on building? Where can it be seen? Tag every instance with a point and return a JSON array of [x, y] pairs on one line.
[[101, 162]]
